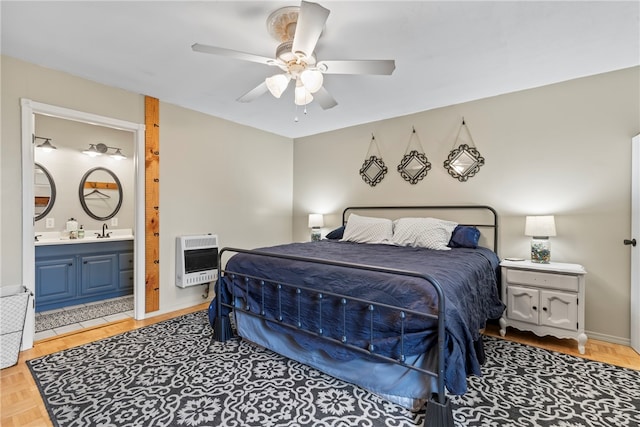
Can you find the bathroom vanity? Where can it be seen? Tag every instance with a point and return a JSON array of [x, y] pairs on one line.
[[77, 271]]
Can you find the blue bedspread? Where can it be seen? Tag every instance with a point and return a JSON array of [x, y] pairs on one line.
[[468, 278]]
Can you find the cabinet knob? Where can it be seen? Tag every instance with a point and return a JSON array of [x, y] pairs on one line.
[[534, 307], [631, 242], [544, 308]]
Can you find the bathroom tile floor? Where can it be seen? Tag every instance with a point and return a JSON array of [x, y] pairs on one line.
[[73, 318]]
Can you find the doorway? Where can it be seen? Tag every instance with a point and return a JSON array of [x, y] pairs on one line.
[[29, 109], [635, 247]]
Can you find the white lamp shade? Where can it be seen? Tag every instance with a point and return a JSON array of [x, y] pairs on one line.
[[316, 220], [303, 96], [92, 151], [46, 146], [278, 84], [540, 226], [312, 80], [118, 155]]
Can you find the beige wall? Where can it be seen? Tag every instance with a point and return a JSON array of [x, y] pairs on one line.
[[216, 176], [223, 178], [562, 149]]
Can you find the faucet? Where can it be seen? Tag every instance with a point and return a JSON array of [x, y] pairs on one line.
[[104, 235]]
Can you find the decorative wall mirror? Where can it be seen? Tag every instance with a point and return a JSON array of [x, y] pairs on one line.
[[44, 190], [100, 193], [373, 169], [464, 160], [414, 165]]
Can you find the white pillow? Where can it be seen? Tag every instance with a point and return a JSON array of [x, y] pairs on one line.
[[365, 229], [430, 233]]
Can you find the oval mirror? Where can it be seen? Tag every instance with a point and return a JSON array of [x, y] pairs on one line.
[[44, 191], [100, 193]]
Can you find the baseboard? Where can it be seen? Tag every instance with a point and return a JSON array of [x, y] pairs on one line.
[[609, 338], [176, 307]]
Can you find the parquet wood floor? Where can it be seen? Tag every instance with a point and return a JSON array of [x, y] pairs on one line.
[[21, 405]]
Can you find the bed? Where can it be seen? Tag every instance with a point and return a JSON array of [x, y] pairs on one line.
[[385, 305]]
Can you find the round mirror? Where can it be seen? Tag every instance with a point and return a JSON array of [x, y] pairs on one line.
[[44, 191], [100, 193]]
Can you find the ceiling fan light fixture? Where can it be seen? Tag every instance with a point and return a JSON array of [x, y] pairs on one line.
[[302, 95], [312, 80], [278, 84]]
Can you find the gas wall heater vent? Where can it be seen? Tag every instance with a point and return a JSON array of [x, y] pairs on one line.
[[196, 260]]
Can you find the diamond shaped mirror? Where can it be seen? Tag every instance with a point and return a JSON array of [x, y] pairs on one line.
[[373, 170], [463, 162], [414, 166]]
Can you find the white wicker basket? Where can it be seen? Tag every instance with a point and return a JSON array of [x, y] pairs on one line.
[[13, 310]]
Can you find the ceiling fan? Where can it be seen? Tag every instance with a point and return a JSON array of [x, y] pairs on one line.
[[298, 30]]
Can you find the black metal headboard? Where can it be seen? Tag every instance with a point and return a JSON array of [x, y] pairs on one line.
[[482, 216]]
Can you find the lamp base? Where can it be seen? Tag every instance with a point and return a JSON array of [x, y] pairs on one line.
[[540, 250], [315, 234]]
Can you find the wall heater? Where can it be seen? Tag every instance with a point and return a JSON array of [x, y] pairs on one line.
[[196, 259]]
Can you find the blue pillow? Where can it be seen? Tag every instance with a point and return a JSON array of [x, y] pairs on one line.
[[336, 234], [464, 236]]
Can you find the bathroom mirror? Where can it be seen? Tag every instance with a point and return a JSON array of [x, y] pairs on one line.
[[100, 193], [44, 190]]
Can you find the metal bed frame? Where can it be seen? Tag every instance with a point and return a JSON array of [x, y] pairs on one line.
[[438, 410]]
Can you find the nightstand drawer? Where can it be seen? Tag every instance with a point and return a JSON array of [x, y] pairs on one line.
[[543, 280]]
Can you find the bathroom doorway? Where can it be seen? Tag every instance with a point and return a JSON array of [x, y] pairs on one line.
[[135, 132], [84, 191]]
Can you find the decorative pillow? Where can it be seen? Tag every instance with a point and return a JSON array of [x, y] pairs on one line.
[[430, 233], [335, 234], [465, 236], [365, 229]]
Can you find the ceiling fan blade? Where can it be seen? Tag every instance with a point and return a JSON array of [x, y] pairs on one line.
[[382, 67], [311, 19], [254, 93], [203, 48], [324, 99]]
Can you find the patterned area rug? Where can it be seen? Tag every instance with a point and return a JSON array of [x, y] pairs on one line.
[[173, 374], [58, 319]]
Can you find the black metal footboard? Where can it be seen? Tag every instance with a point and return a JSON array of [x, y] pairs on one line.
[[438, 412]]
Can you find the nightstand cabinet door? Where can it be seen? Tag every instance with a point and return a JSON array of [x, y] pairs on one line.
[[559, 309], [523, 304]]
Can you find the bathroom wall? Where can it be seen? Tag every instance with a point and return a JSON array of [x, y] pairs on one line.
[[67, 165]]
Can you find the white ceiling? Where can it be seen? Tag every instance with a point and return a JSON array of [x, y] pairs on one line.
[[446, 52]]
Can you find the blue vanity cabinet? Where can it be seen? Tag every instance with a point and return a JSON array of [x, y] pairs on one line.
[[78, 273], [99, 274], [59, 275], [125, 263]]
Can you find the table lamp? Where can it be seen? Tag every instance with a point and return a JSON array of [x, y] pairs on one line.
[[540, 228], [315, 222]]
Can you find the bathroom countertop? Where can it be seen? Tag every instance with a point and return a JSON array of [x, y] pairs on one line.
[[58, 238]]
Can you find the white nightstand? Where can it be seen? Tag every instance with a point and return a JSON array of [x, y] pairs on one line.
[[546, 299]]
